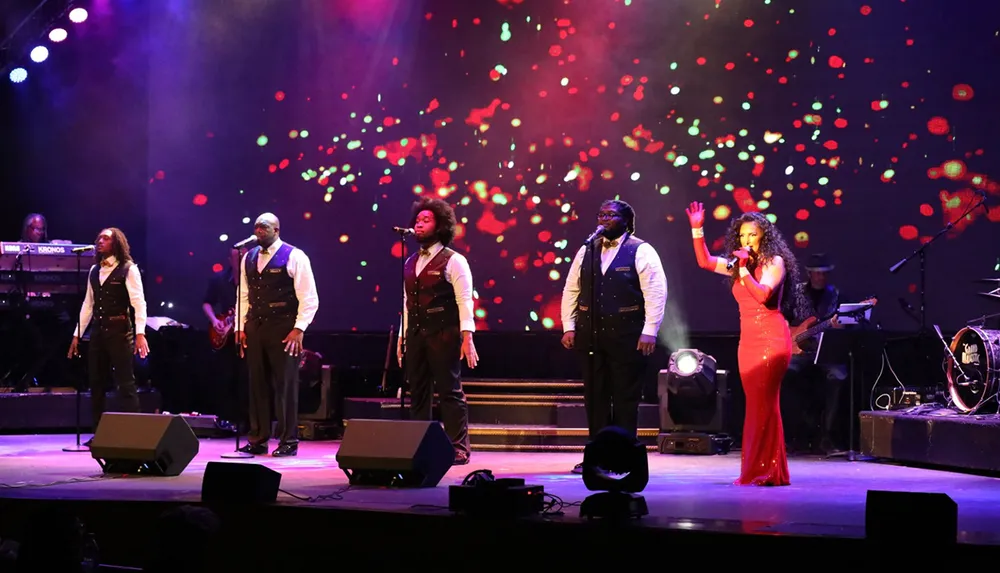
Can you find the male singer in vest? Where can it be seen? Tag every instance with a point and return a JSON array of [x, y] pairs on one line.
[[438, 323], [629, 299], [114, 286], [278, 301]]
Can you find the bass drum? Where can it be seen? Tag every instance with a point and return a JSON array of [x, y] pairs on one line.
[[978, 352]]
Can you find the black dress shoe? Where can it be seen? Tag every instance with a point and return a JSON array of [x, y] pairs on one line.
[[254, 449], [286, 450], [88, 442], [461, 458], [578, 468]]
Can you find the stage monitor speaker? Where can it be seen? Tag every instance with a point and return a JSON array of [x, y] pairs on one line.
[[143, 444], [395, 453], [239, 483], [892, 517]]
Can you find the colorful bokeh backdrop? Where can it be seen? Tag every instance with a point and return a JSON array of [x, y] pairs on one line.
[[861, 129]]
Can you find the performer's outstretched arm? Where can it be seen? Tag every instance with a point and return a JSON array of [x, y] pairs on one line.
[[696, 215]]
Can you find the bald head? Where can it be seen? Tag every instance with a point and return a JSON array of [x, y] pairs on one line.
[[266, 228], [268, 219]]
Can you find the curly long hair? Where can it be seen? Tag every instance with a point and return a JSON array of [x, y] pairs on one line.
[[444, 217], [119, 247], [794, 304]]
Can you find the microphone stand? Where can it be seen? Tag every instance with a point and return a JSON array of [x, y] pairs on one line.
[[921, 252], [237, 329], [402, 331], [595, 267], [79, 335]]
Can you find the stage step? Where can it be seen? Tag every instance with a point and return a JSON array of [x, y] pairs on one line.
[[490, 437], [522, 386], [512, 412]]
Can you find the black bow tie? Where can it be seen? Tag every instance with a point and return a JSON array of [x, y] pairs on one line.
[[424, 251], [610, 244]]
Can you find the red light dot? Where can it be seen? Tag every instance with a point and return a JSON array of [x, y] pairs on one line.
[[908, 232], [926, 210], [200, 199], [866, 10], [938, 125], [280, 96], [802, 214], [701, 61], [831, 32], [962, 92], [836, 62], [840, 122], [217, 268], [748, 23]]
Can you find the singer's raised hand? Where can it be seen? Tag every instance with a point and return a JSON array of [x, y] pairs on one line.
[[696, 214]]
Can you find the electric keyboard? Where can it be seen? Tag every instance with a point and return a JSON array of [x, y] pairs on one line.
[[43, 267]]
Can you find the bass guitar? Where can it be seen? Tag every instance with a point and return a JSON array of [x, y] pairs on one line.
[[811, 326], [218, 338]]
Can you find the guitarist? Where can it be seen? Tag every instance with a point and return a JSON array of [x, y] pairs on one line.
[[229, 371], [810, 392]]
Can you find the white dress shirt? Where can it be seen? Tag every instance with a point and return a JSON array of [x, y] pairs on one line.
[[133, 283], [652, 281], [458, 273], [300, 269]]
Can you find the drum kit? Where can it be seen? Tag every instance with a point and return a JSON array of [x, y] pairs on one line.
[[972, 365]]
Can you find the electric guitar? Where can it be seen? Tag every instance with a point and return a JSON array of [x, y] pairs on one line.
[[811, 327], [218, 338]]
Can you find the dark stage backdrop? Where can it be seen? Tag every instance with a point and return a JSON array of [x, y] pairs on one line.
[[861, 129]]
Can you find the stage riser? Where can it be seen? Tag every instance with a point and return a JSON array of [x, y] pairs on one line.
[[25, 412], [508, 413], [385, 539], [526, 442], [960, 442]]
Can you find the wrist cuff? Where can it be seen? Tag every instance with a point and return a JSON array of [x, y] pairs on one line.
[[698, 233], [744, 272]]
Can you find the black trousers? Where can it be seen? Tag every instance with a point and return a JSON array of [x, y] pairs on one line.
[[613, 391], [274, 374], [433, 364], [112, 353]]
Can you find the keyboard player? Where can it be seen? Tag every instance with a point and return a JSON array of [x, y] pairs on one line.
[[114, 294]]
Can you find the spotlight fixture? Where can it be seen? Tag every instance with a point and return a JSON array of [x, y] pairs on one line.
[[78, 15], [39, 54], [615, 463], [18, 75], [693, 398], [57, 35]]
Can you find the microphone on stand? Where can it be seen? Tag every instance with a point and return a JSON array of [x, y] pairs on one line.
[[403, 230], [245, 242], [83, 249], [599, 231]]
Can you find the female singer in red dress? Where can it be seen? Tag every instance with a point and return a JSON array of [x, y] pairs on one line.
[[764, 266]]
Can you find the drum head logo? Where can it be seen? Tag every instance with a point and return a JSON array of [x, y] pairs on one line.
[[970, 354]]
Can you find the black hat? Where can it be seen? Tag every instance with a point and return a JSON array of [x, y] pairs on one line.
[[819, 262]]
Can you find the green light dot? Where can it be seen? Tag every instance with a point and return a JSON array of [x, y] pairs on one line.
[[262, 140]]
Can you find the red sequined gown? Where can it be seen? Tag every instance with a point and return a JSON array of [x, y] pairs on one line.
[[764, 354]]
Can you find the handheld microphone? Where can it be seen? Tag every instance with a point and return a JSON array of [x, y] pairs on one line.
[[733, 261], [83, 249], [246, 242], [403, 230], [597, 233]]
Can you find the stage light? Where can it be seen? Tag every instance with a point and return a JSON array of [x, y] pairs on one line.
[[39, 54], [18, 75], [77, 15], [615, 452], [693, 400], [57, 35]]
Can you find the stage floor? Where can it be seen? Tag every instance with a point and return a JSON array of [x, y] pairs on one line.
[[826, 498]]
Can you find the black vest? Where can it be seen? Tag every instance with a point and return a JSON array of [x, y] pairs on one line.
[[430, 299], [621, 308], [111, 298], [272, 292]]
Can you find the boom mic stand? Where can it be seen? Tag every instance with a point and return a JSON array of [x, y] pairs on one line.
[[921, 252], [79, 335], [237, 329]]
